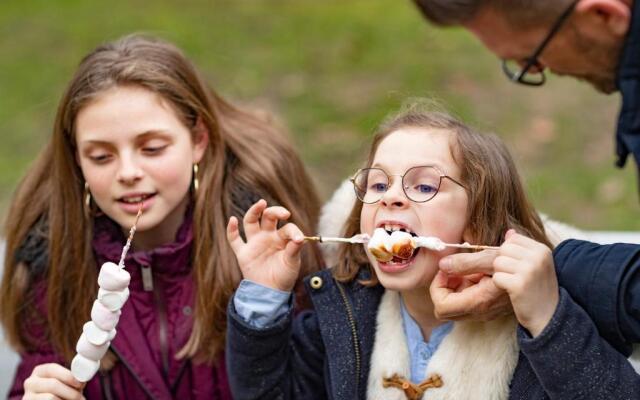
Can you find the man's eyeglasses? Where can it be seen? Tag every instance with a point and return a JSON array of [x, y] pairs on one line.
[[532, 73], [420, 184]]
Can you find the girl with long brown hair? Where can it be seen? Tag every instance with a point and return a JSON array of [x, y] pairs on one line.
[[372, 333], [138, 124]]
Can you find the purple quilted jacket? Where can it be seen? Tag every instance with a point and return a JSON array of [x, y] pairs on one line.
[[155, 323]]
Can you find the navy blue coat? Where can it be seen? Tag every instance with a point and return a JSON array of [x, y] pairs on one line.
[[605, 281], [324, 353]]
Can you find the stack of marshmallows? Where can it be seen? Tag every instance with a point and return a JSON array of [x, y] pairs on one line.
[[98, 333]]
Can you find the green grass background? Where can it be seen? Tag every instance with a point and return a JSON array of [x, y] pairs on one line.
[[331, 70]]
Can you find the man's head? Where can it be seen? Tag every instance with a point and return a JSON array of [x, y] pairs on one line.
[[587, 44]]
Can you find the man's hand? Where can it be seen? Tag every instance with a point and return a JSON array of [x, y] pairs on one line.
[[463, 288]]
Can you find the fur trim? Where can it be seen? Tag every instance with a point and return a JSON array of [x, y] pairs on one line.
[[333, 216], [483, 370]]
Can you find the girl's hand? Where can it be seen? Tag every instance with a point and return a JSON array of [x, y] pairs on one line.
[[525, 269], [52, 381], [271, 256]]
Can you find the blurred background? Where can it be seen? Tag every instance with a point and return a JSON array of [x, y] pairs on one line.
[[330, 70]]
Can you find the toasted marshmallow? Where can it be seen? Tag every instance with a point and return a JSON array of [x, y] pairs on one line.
[[380, 245], [113, 300], [83, 368], [112, 277], [90, 350], [103, 317], [403, 244]]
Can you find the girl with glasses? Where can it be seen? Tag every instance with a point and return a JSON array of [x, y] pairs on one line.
[[372, 333], [137, 124]]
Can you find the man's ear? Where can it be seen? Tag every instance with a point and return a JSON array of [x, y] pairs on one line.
[[200, 139], [600, 16]]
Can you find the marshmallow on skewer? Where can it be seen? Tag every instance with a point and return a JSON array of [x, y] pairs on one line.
[[83, 369], [104, 318], [97, 334], [380, 245], [112, 277]]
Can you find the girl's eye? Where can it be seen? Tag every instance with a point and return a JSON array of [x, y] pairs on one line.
[[100, 158], [153, 149], [423, 188], [379, 187]]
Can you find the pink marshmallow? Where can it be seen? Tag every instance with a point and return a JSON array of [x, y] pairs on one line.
[[83, 369], [89, 350], [96, 335], [112, 277], [113, 301], [103, 317]]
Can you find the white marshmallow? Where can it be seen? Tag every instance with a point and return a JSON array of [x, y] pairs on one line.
[[397, 236], [113, 301], [380, 239], [430, 242], [90, 350], [83, 369], [103, 317], [112, 277], [96, 335]]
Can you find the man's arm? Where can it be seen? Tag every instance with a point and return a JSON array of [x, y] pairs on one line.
[[605, 281]]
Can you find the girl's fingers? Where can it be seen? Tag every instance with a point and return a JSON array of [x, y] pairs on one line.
[[251, 220], [233, 235], [291, 232], [52, 386], [270, 217], [41, 396], [58, 372]]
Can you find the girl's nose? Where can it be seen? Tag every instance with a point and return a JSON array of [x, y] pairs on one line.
[[129, 172], [394, 196]]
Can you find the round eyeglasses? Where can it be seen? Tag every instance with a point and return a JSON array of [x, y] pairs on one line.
[[420, 184]]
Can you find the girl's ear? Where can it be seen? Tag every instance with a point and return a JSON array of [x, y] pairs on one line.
[[200, 140], [601, 18]]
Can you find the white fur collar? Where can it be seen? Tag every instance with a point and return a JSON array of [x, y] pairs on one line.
[[476, 360]]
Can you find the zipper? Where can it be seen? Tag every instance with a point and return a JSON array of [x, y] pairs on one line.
[[354, 334], [162, 326], [137, 378], [105, 380]]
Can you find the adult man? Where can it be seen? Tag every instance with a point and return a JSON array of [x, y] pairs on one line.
[[597, 41]]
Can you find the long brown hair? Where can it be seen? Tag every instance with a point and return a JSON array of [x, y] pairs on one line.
[[247, 156], [497, 199]]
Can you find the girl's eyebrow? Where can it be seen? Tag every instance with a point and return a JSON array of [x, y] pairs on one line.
[[138, 137], [432, 164]]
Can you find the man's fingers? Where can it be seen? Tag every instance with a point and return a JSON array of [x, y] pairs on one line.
[[469, 263], [270, 217], [233, 235], [251, 220]]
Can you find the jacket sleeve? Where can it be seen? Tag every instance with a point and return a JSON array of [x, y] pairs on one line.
[[284, 360], [572, 361], [605, 281]]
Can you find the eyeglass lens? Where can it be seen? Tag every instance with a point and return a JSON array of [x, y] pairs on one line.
[[420, 184]]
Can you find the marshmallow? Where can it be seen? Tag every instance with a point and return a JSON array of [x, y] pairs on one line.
[[403, 244], [83, 369], [431, 243], [112, 277], [103, 317], [90, 350], [113, 301], [96, 335], [380, 245]]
